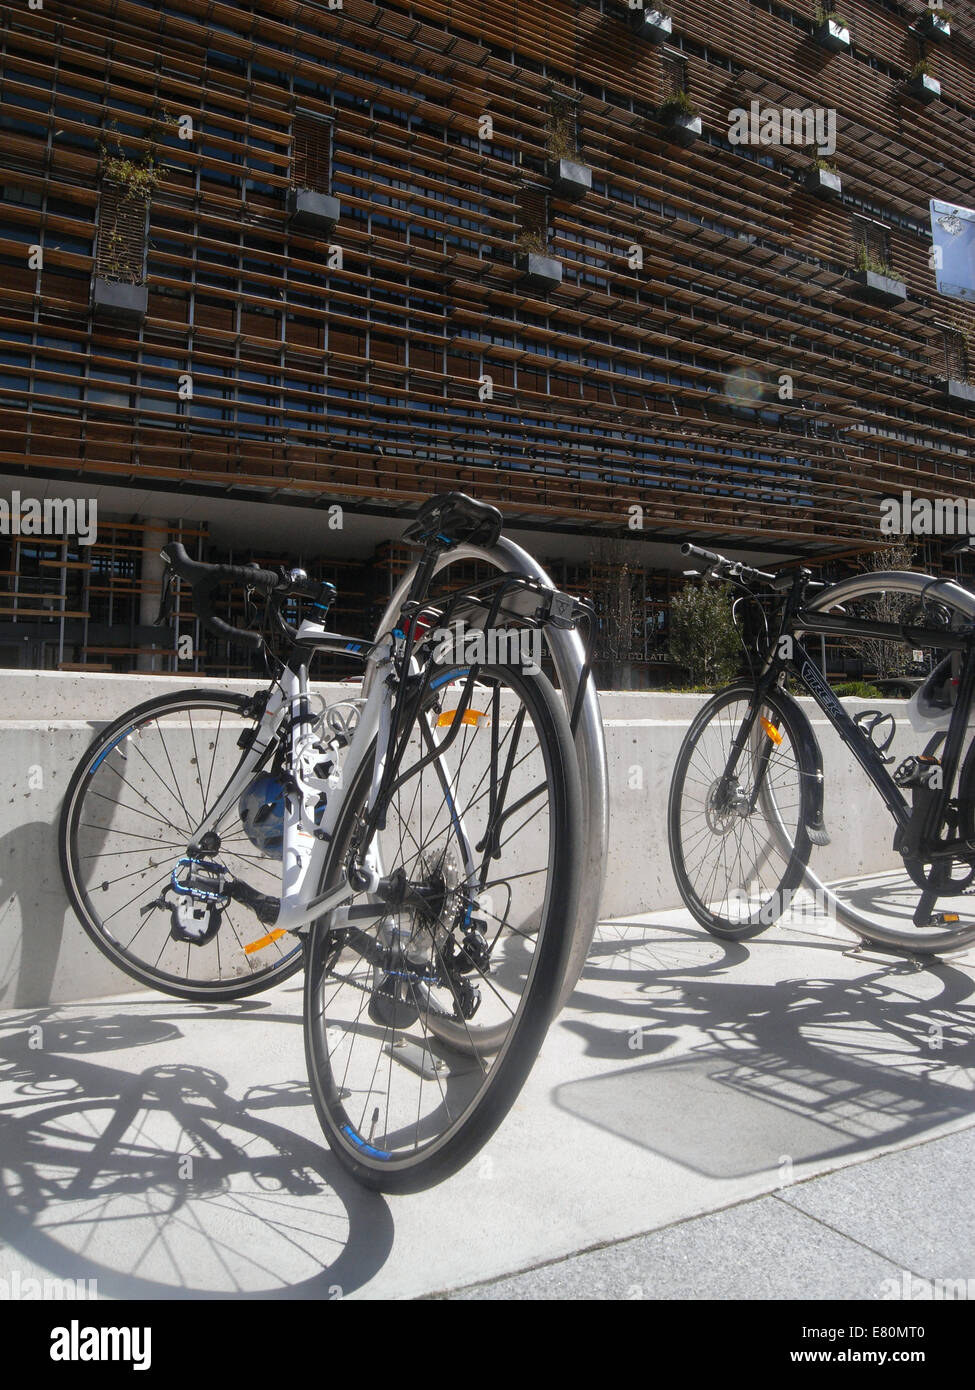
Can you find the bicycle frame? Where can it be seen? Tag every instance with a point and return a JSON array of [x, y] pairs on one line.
[[306, 844], [792, 658]]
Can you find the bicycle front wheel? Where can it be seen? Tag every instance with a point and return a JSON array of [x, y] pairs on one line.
[[422, 1023], [130, 810], [735, 861]]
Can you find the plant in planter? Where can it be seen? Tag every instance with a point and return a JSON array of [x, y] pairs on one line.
[[679, 115], [875, 279], [124, 301], [570, 176], [137, 179], [865, 259], [118, 288], [831, 31], [958, 381], [935, 24], [653, 24], [962, 392], [541, 271], [921, 85], [822, 178]]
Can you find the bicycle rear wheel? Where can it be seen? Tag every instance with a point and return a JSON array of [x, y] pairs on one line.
[[130, 810], [422, 1023], [878, 898]]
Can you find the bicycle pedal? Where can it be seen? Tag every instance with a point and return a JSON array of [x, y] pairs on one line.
[[193, 921]]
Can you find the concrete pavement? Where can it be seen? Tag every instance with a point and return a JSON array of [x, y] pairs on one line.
[[775, 1119]]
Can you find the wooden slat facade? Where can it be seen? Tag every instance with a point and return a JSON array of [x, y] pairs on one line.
[[362, 382]]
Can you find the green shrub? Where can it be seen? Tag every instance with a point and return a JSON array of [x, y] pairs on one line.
[[703, 636], [860, 690]]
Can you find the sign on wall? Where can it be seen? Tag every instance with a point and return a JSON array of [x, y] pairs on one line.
[[953, 257]]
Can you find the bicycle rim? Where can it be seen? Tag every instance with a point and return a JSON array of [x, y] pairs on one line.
[[733, 865], [131, 808]]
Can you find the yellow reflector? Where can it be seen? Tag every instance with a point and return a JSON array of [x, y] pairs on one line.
[[264, 941], [952, 917], [470, 716], [771, 730]]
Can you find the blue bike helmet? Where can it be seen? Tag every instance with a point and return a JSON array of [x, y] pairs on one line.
[[261, 809]]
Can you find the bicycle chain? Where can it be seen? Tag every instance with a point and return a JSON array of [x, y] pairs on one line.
[[368, 989]]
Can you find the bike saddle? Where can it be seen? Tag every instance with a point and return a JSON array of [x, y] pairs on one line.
[[452, 518]]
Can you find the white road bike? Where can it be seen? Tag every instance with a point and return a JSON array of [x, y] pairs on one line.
[[417, 846]]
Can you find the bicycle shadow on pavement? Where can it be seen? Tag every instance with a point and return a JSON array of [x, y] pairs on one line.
[[770, 1075], [160, 1183]]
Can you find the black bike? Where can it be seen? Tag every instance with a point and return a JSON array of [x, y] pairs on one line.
[[748, 795]]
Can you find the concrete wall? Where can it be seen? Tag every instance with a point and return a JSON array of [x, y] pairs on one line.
[[46, 957]]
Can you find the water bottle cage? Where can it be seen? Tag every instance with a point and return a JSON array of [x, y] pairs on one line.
[[879, 728]]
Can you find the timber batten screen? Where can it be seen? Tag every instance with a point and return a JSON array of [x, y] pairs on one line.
[[359, 377]]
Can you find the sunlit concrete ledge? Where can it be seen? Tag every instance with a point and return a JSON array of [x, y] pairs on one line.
[[51, 717]]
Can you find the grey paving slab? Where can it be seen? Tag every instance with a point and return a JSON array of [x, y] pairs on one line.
[[759, 1250], [914, 1206], [171, 1150]]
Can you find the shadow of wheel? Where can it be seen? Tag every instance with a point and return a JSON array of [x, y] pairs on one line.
[[171, 1189]]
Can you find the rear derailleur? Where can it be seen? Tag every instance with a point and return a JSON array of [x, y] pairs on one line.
[[403, 981]]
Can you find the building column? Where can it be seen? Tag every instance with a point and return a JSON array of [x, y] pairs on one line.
[[152, 572]]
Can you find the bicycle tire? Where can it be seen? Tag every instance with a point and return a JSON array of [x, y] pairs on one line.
[[568, 655], [500, 1082]]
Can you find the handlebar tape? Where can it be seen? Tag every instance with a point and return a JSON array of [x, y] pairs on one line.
[[203, 579]]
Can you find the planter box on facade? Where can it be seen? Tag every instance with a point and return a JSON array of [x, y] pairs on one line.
[[834, 37], [570, 179], [683, 129], [824, 183], [539, 272], [652, 24], [312, 212], [879, 289], [932, 26], [962, 391], [923, 88], [119, 302]]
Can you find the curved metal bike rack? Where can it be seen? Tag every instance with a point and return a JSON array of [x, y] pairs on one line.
[[568, 654]]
